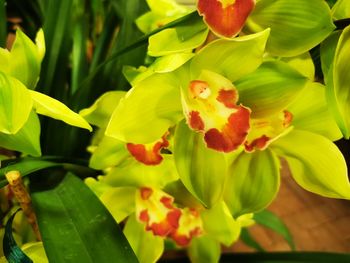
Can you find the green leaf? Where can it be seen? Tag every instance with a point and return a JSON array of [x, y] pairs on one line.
[[36, 252], [15, 104], [204, 249], [250, 241], [341, 10], [25, 59], [76, 227], [11, 250], [302, 63], [341, 80], [271, 88], [232, 58], [100, 112], [270, 220], [133, 173], [147, 247], [48, 106], [182, 38], [327, 51], [253, 182], [26, 140], [219, 224], [120, 201], [110, 152], [155, 102], [296, 25], [311, 113], [202, 170], [316, 163]]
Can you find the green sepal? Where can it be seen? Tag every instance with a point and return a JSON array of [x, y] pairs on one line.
[[182, 38], [219, 224], [25, 58], [341, 80], [204, 249], [253, 182], [100, 112], [202, 170], [311, 112], [232, 58], [296, 25], [36, 251], [147, 247], [315, 162], [302, 63], [26, 140], [154, 102], [133, 173], [341, 10], [15, 104], [270, 89], [53, 108]]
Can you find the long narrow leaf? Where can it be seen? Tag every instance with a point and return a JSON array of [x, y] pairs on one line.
[[11, 250], [76, 227], [250, 241]]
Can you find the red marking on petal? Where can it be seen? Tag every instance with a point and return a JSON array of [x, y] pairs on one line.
[[145, 156], [232, 135], [228, 98], [288, 117], [197, 87], [144, 217], [225, 21], [259, 143], [181, 240], [146, 193], [167, 202], [160, 229], [173, 218], [195, 121]]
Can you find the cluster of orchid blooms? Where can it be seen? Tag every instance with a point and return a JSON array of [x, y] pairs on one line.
[[206, 80]]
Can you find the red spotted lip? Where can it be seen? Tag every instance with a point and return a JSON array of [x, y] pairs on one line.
[[225, 20]]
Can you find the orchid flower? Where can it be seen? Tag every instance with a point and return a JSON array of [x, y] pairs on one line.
[[20, 103]]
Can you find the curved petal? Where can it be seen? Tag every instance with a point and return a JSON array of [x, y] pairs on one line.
[[316, 163], [232, 58], [225, 17], [253, 182], [296, 25], [311, 113]]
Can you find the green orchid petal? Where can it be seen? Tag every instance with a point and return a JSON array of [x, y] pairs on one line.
[[5, 60], [163, 64], [147, 247], [155, 102], [133, 173], [179, 39], [26, 57], [341, 10], [253, 182], [110, 152], [232, 58], [302, 63], [204, 249], [50, 107], [35, 251], [26, 140], [166, 7], [327, 51], [296, 25], [311, 113], [15, 104], [124, 206], [271, 88], [194, 162], [341, 80], [316, 163], [220, 225], [101, 111]]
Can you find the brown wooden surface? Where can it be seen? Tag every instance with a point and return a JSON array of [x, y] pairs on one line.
[[316, 223]]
